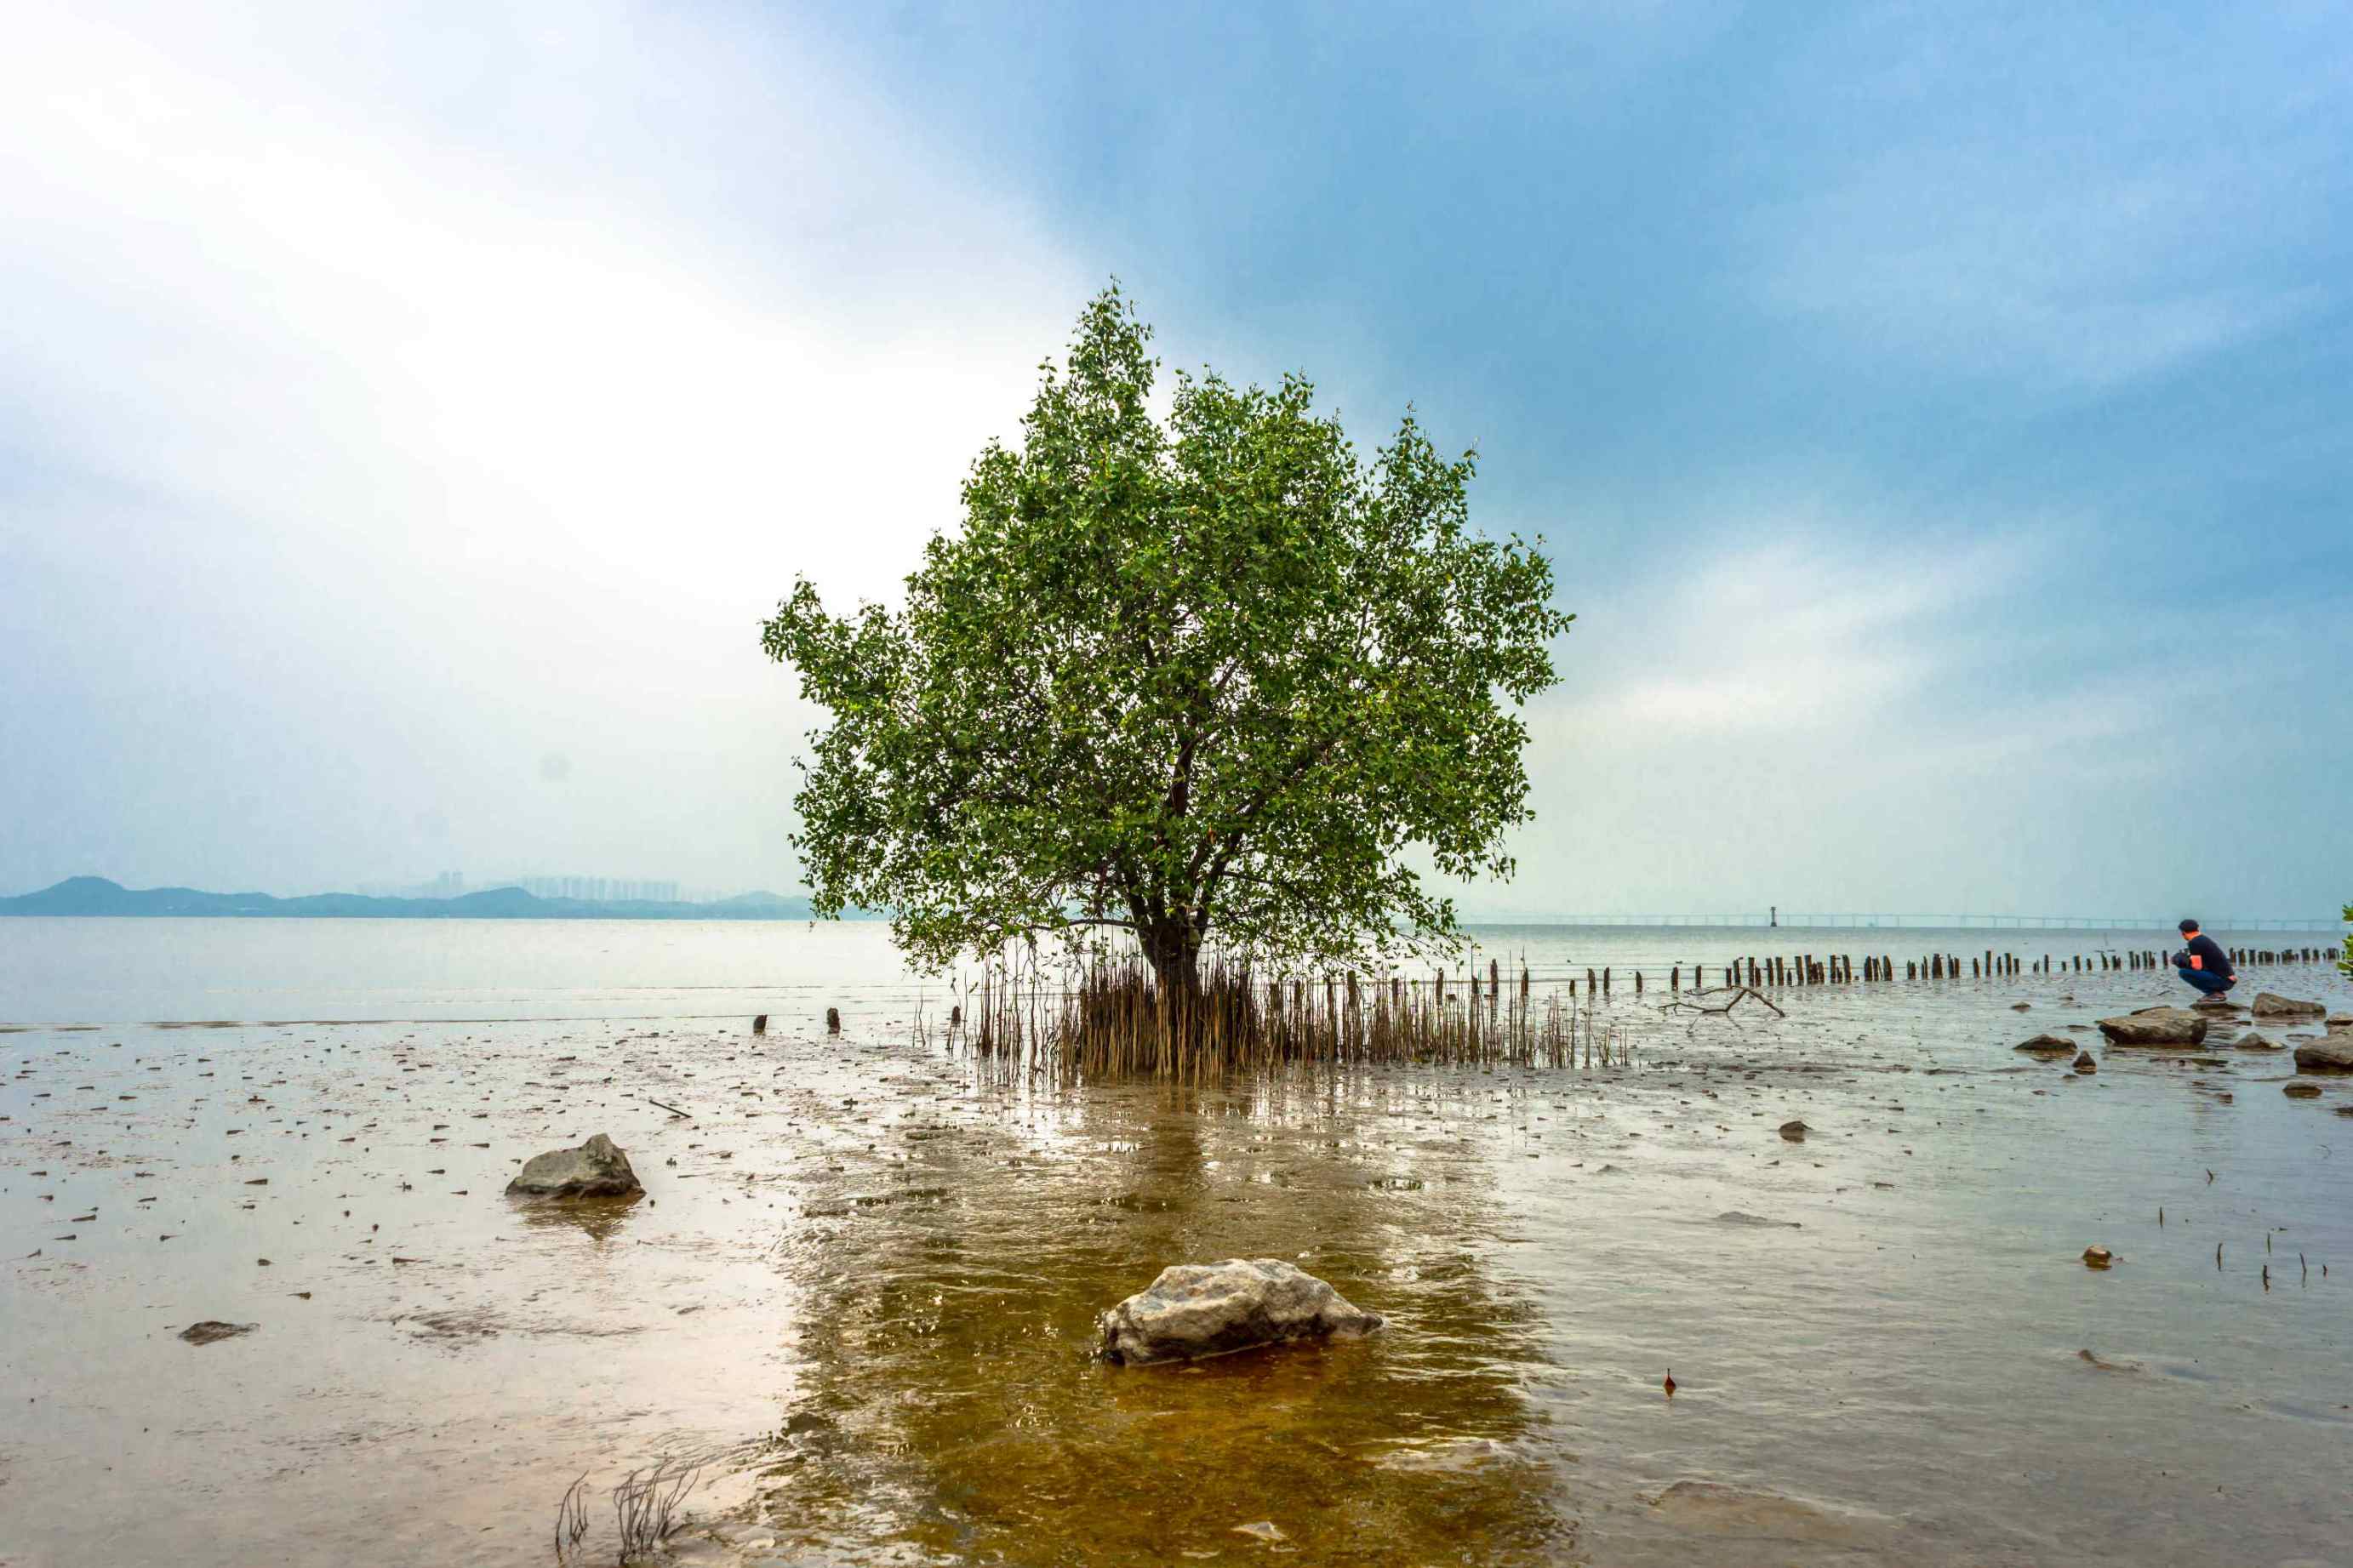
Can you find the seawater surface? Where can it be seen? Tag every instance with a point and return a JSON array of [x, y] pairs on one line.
[[861, 1287]]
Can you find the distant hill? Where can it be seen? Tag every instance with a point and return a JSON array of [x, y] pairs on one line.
[[98, 896]]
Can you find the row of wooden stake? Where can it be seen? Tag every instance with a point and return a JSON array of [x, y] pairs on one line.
[[1806, 969]]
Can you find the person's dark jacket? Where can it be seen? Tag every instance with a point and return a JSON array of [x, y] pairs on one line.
[[2212, 959]]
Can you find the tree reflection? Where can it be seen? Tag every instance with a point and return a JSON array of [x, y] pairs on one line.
[[949, 1402]]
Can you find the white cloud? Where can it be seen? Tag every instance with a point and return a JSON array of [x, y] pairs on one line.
[[1969, 264], [2071, 199], [1795, 627], [492, 372]]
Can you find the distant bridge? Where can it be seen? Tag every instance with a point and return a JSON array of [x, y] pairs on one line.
[[1867, 922]]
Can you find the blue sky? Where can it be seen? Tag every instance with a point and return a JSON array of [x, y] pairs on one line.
[[1937, 416]]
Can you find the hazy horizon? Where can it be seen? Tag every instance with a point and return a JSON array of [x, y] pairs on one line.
[[1937, 421]]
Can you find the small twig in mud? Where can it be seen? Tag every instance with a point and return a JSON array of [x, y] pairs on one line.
[[643, 1506], [1743, 993], [673, 1109], [572, 1519]]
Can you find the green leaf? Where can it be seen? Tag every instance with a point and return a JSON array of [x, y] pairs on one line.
[[1212, 680]]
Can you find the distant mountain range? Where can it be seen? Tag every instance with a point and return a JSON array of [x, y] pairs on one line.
[[98, 896]]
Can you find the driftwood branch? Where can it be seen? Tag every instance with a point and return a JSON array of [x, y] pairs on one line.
[[674, 1111], [1740, 995]]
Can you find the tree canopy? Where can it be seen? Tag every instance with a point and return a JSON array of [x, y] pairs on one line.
[[1212, 680]]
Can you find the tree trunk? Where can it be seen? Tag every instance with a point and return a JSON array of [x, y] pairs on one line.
[[1175, 954]]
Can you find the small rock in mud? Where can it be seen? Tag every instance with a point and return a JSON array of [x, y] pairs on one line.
[[2252, 1041], [2301, 1090], [1733, 1216], [2098, 1258], [210, 1330], [2331, 1053], [2154, 1026], [2270, 1004], [2105, 1365], [1261, 1530], [2046, 1045], [1197, 1310], [597, 1169], [2083, 1062], [1795, 1132]]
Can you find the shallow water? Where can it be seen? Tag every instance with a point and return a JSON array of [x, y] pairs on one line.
[[866, 1287]]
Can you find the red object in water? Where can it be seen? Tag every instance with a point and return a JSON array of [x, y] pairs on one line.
[[1670, 1384]]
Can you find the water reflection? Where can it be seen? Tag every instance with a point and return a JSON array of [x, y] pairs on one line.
[[599, 1219], [950, 1405]]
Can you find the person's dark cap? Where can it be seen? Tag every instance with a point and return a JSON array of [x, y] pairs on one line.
[[2188, 925]]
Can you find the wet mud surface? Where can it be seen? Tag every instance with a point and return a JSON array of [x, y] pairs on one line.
[[862, 1280]]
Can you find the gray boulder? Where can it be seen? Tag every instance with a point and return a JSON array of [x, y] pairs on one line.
[[595, 1170], [2333, 1052], [2269, 1004], [2252, 1041], [1197, 1310], [2048, 1045], [2154, 1026], [2213, 1005], [2339, 1021]]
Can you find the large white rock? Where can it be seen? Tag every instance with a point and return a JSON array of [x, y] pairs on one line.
[[1197, 1310], [596, 1169], [2154, 1026]]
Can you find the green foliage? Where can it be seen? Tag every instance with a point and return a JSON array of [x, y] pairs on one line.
[[1210, 679], [2345, 964]]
